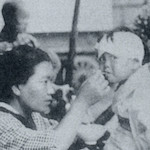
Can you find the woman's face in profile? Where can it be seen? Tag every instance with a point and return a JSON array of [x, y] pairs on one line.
[[36, 94]]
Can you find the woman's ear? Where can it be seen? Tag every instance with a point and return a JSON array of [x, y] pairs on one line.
[[135, 64], [16, 90]]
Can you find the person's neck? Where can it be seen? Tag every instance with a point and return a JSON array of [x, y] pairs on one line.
[[21, 108]]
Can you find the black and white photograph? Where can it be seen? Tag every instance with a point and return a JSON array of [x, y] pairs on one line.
[[74, 74]]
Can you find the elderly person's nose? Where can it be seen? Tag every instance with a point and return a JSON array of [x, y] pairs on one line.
[[107, 63]]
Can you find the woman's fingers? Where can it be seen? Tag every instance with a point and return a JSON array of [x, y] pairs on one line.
[[94, 88]]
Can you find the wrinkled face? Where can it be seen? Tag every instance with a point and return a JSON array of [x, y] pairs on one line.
[[36, 93], [115, 69]]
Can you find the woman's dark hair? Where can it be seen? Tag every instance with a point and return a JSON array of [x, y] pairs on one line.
[[17, 66]]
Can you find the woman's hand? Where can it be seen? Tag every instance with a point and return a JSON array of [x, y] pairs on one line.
[[90, 133], [94, 89]]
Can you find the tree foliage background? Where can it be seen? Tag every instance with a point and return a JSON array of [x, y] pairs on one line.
[[142, 28]]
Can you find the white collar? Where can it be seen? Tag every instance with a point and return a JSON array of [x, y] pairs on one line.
[[9, 107]]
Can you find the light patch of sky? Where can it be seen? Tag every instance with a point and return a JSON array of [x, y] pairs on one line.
[[50, 15], [95, 15], [56, 15]]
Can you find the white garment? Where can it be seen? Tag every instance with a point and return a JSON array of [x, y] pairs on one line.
[[132, 101]]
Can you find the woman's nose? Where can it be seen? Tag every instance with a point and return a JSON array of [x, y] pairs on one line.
[[51, 88]]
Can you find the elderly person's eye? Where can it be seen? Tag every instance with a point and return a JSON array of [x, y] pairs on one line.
[[46, 81], [113, 58], [101, 60]]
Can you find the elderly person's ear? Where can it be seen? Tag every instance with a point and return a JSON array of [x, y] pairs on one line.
[[134, 63]]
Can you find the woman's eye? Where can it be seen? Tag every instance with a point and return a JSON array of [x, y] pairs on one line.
[[52, 80], [49, 81]]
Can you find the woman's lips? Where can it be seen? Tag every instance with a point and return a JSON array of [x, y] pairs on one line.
[[48, 102]]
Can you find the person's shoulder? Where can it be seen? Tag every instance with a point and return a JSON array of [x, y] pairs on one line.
[[141, 76], [39, 119], [8, 121], [37, 116], [43, 122]]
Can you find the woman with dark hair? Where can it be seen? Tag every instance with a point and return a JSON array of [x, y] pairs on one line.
[[26, 89], [15, 23]]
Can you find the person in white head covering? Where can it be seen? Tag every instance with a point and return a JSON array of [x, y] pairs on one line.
[[121, 54]]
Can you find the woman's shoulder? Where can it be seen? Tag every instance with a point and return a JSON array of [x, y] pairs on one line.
[[8, 121], [43, 122]]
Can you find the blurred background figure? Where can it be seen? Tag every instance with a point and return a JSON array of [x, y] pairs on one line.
[[15, 23], [84, 67], [62, 97]]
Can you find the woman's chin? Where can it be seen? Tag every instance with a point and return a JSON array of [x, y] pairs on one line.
[[45, 111]]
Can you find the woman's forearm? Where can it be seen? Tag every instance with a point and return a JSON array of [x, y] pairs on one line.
[[68, 127]]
